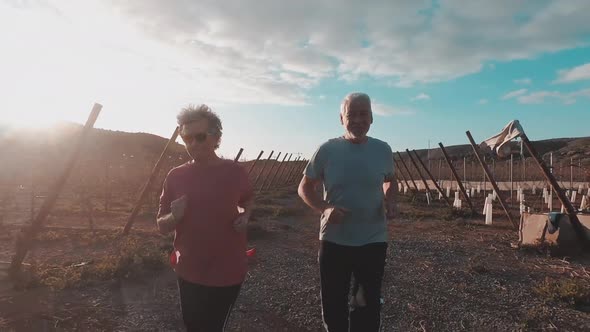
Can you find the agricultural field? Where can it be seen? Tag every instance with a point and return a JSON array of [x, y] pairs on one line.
[[446, 271]]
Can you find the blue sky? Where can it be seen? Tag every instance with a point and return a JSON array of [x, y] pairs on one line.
[[276, 72]]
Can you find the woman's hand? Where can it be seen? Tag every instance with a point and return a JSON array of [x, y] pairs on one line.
[[241, 222]]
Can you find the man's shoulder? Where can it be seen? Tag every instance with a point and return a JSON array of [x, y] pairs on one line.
[[332, 143], [378, 142]]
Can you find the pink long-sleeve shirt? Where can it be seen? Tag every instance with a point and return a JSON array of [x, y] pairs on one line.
[[210, 252]]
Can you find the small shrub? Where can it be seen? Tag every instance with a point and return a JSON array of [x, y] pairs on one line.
[[575, 292], [133, 259]]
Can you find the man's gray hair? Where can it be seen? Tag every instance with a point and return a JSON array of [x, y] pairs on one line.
[[193, 113], [351, 97]]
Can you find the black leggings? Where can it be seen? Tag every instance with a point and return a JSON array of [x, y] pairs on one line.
[[206, 308], [337, 264]]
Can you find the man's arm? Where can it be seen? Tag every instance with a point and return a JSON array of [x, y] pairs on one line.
[[309, 194]]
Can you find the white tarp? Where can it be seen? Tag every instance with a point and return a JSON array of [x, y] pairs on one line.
[[499, 142]]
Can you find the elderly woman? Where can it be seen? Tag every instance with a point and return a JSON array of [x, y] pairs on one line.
[[207, 202]]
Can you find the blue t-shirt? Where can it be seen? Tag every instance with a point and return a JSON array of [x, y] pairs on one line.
[[353, 176]]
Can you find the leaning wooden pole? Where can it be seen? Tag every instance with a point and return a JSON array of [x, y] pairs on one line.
[[268, 176], [284, 170], [298, 170], [290, 171], [262, 170], [402, 174], [571, 211], [279, 166], [444, 195], [407, 170], [456, 176], [148, 184], [419, 173], [25, 239], [255, 161], [238, 155], [490, 177], [280, 170]]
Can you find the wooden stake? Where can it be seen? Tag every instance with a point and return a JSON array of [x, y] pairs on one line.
[[406, 168], [444, 195], [459, 183], [491, 178], [578, 228], [26, 237], [147, 186], [419, 173], [255, 161]]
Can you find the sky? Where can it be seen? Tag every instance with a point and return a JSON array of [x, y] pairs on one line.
[[277, 71]]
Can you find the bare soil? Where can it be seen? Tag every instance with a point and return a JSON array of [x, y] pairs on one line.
[[445, 272]]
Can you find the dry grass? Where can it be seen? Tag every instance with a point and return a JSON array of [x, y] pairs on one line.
[[131, 257], [574, 292]]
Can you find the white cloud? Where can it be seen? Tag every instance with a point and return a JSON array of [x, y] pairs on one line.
[[267, 52], [386, 110], [579, 73], [421, 96], [523, 81], [539, 97], [482, 101], [407, 42], [514, 94]]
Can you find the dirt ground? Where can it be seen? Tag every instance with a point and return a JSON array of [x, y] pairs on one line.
[[445, 272]]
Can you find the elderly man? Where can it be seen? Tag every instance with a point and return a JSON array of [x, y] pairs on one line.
[[357, 174]]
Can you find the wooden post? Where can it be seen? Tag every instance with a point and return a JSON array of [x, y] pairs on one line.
[[298, 170], [491, 178], [26, 237], [406, 168], [419, 173], [459, 183], [262, 170], [571, 211], [255, 161], [272, 178], [272, 167], [511, 179], [280, 170], [107, 191], [290, 171], [148, 184], [402, 174], [444, 195], [284, 171], [238, 155]]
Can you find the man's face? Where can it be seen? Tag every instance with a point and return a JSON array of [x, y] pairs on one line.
[[198, 140], [358, 119]]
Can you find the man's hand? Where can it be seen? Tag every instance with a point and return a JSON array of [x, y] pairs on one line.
[[334, 214], [241, 222], [178, 206]]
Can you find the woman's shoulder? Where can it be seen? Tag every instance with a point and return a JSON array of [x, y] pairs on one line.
[[233, 166], [179, 170]]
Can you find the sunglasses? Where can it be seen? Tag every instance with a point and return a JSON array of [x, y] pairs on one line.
[[200, 137]]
